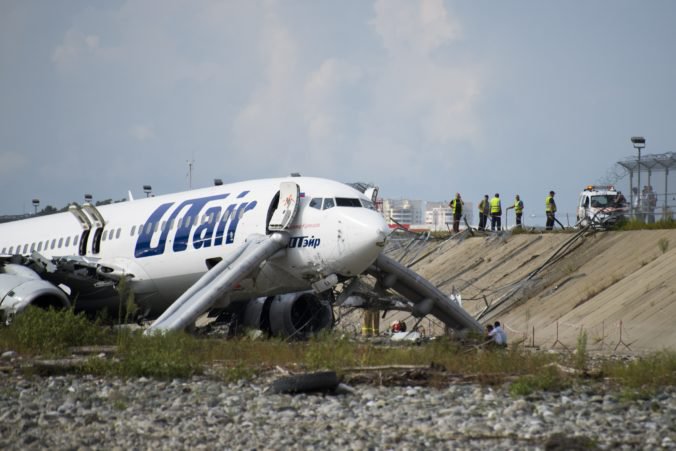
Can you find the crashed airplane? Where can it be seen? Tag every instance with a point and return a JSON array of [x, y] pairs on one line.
[[266, 254]]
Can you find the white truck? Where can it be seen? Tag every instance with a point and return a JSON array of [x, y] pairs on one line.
[[601, 206]]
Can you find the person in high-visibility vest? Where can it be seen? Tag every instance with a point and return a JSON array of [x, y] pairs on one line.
[[550, 210], [518, 209], [370, 323], [456, 207], [484, 212], [496, 213]]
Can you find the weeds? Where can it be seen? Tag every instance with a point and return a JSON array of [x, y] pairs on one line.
[[634, 224], [51, 332], [581, 355], [647, 373], [663, 245]]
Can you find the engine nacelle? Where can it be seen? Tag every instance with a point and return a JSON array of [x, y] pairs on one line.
[[296, 315], [21, 287]]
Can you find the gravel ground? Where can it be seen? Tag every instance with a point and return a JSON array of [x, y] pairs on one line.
[[84, 412]]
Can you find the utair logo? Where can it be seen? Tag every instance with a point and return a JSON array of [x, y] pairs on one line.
[[217, 229], [303, 241]]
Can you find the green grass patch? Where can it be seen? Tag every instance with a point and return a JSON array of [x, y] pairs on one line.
[[547, 379], [634, 224], [51, 332], [646, 373]]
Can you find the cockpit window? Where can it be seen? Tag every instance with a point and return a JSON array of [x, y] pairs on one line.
[[316, 202], [368, 204], [347, 202], [329, 203]]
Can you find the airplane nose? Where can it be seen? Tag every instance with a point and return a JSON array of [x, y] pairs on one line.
[[364, 234]]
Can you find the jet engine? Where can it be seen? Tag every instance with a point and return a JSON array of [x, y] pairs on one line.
[[21, 286], [294, 315]]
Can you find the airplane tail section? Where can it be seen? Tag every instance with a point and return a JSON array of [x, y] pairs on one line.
[[215, 283]]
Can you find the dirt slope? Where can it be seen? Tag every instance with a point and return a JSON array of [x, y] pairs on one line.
[[604, 278]]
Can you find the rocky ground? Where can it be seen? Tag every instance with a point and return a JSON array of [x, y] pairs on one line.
[[84, 412]]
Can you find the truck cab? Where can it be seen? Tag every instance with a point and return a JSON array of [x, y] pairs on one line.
[[600, 206]]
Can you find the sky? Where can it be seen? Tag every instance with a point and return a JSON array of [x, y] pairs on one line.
[[423, 98]]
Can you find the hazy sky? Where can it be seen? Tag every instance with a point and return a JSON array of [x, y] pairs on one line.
[[423, 98]]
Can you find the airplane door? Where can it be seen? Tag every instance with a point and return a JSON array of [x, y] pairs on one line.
[[289, 194]]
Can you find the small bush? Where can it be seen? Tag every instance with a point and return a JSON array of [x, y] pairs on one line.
[[52, 332]]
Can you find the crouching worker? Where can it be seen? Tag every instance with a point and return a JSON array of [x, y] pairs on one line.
[[498, 335]]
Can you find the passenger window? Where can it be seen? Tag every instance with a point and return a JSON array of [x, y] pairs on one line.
[[60, 242], [149, 227], [329, 203], [316, 202], [67, 241], [11, 248], [3, 250], [32, 247], [133, 229], [53, 243], [140, 229], [39, 247], [103, 235], [171, 224], [186, 221], [25, 249], [75, 239], [157, 226], [119, 232]]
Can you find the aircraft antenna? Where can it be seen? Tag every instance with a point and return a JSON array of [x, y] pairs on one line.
[[190, 165]]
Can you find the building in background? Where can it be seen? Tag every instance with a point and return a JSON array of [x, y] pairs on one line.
[[422, 215]]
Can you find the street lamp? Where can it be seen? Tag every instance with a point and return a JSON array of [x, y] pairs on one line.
[[147, 189], [639, 143], [88, 198], [36, 203]]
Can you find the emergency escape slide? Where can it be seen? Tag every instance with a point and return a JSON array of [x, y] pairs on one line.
[[427, 298], [223, 277]]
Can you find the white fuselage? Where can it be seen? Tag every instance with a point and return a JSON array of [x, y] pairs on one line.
[[167, 242]]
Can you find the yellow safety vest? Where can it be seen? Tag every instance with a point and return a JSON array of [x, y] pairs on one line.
[[482, 204], [456, 206], [550, 205], [518, 206], [496, 208]]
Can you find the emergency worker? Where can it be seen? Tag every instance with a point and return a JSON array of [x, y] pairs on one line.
[[496, 213], [456, 207], [484, 212], [550, 210], [518, 209]]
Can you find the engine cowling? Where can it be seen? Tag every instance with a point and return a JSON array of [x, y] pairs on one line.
[[296, 315], [21, 287]]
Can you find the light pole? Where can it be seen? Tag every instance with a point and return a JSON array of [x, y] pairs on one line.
[[36, 204], [639, 143], [147, 189]]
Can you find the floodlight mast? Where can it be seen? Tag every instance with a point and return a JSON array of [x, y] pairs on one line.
[[639, 143]]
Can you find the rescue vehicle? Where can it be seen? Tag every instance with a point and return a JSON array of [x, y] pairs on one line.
[[601, 206]]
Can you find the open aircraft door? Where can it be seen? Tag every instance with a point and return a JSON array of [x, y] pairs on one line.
[[98, 222], [289, 195], [85, 223]]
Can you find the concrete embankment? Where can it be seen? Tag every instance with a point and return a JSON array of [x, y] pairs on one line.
[[603, 283]]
